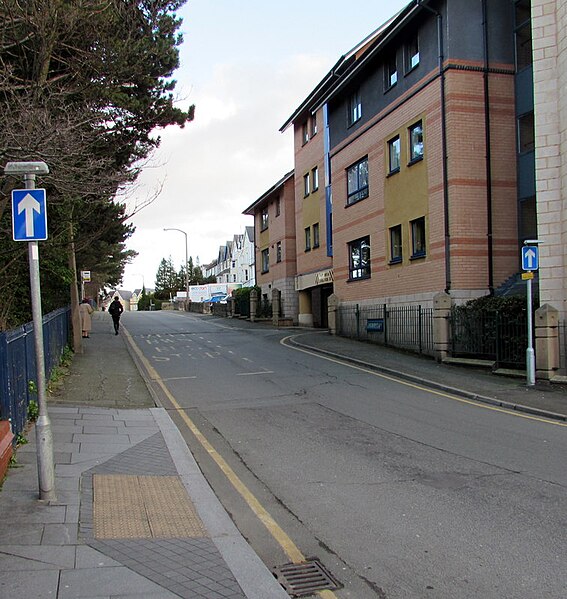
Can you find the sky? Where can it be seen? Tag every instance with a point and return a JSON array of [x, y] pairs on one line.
[[246, 65]]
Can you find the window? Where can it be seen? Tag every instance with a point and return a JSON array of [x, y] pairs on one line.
[[308, 239], [394, 155], [359, 258], [315, 178], [279, 251], [528, 218], [246, 274], [390, 73], [416, 142], [304, 133], [524, 56], [316, 235], [357, 181], [418, 237], [234, 278], [411, 52], [233, 264], [278, 206], [354, 108], [396, 244], [526, 133], [266, 260], [264, 225], [313, 124], [305, 185]]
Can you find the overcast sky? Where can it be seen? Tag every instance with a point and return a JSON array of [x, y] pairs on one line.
[[246, 66]]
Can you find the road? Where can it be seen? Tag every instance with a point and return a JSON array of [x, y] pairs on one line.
[[402, 492]]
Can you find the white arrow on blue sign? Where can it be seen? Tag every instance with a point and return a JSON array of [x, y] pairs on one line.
[[530, 257], [29, 215]]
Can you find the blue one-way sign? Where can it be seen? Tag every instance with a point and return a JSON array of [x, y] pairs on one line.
[[530, 257], [29, 215]]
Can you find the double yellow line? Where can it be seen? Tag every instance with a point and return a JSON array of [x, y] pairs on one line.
[[279, 535]]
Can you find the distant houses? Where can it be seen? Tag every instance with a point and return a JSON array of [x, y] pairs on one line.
[[128, 299], [235, 261]]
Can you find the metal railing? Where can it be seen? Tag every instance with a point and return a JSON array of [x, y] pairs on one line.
[[563, 347], [490, 336], [242, 306], [264, 308], [404, 327], [18, 364]]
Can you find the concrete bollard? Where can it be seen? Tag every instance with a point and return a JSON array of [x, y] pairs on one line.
[[546, 325], [253, 304], [332, 311], [442, 303]]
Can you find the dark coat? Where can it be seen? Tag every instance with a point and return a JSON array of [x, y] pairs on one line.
[[115, 309]]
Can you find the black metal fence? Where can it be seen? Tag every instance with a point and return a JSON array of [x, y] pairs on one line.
[[405, 327], [18, 364], [490, 336], [563, 347], [242, 306], [264, 308]]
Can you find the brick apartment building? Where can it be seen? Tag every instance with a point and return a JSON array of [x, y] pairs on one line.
[[274, 234], [415, 159]]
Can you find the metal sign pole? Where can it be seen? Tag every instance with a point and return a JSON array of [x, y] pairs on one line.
[[29, 223], [530, 356], [43, 433], [530, 263]]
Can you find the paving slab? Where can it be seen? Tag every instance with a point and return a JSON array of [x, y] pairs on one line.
[[115, 430]]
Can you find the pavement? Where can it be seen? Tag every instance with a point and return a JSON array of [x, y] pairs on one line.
[[134, 516]]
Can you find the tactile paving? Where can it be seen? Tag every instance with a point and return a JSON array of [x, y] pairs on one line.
[[133, 506], [184, 559]]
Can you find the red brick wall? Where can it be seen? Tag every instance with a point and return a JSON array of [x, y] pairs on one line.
[[311, 209], [280, 228], [467, 193]]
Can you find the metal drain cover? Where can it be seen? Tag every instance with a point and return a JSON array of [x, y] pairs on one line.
[[300, 580]]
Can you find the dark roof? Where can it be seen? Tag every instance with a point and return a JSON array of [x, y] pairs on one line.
[[348, 64], [251, 209]]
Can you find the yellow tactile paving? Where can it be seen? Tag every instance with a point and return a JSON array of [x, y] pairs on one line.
[[129, 507]]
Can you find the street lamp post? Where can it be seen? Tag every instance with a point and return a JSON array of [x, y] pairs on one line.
[[186, 266]]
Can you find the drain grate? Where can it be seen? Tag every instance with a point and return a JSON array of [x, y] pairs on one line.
[[300, 580]]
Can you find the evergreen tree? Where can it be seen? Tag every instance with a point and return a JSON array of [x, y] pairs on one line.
[[144, 301], [167, 281], [83, 86]]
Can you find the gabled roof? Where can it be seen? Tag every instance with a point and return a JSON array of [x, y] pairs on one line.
[[123, 293], [348, 64], [254, 207]]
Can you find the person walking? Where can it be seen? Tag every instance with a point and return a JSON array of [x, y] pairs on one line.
[[85, 311], [116, 310]]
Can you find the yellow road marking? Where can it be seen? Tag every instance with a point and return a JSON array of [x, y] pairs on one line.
[[284, 541], [470, 402]]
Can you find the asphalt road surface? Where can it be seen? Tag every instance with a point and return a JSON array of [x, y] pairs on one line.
[[401, 491]]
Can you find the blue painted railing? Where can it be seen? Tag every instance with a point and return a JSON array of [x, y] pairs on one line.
[[18, 364]]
